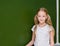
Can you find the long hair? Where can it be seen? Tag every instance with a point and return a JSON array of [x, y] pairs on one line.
[[48, 20]]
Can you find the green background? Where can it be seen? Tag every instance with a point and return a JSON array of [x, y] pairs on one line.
[[16, 20]]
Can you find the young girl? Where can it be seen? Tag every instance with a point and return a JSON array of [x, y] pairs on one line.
[[43, 31]]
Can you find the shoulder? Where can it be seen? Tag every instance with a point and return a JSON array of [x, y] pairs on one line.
[[51, 28], [33, 27], [52, 31]]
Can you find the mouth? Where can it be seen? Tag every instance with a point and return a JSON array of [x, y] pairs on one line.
[[41, 20]]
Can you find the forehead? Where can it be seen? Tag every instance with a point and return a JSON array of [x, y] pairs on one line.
[[41, 13]]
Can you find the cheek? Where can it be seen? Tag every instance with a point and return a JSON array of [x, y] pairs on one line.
[[39, 18]]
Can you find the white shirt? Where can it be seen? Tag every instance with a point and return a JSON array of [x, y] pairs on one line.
[[42, 35]]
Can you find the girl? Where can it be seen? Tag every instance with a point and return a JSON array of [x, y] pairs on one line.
[[43, 31]]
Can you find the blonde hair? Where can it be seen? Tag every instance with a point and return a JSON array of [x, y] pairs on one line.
[[48, 20]]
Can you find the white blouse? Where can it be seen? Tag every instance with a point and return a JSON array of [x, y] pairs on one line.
[[42, 35]]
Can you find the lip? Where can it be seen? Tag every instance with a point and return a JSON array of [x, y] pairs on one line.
[[41, 20]]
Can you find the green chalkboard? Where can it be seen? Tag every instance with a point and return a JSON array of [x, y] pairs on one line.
[[16, 20]]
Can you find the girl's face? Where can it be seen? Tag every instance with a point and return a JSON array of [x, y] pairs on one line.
[[42, 17]]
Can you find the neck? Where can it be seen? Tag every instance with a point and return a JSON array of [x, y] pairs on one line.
[[42, 24]]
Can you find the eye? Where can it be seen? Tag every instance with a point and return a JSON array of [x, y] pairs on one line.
[[43, 16], [39, 16]]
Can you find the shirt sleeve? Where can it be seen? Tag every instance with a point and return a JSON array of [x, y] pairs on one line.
[[33, 28], [51, 28]]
